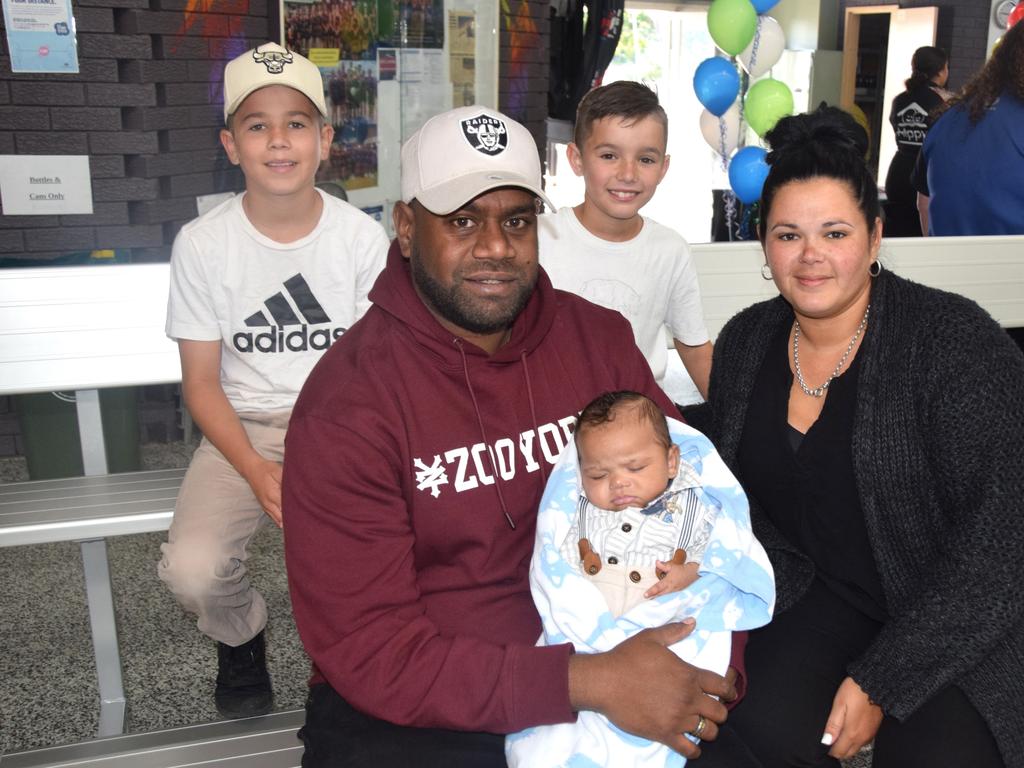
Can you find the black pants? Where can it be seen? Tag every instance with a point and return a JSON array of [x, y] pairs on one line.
[[337, 736], [794, 667]]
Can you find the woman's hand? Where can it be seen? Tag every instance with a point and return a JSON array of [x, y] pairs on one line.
[[853, 721]]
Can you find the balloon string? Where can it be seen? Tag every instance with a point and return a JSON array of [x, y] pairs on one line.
[[721, 143], [757, 41], [746, 231], [729, 199]]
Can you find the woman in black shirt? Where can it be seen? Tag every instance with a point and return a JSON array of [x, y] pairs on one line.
[[925, 92], [876, 426]]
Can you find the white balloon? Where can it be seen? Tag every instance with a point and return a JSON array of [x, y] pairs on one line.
[[722, 133], [770, 41]]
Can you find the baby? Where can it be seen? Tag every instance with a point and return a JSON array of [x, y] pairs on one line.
[[641, 527], [641, 524]]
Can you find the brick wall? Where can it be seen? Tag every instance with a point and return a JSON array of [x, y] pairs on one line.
[[962, 31], [143, 108], [524, 66]]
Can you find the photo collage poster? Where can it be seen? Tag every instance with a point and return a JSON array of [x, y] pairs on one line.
[[355, 44]]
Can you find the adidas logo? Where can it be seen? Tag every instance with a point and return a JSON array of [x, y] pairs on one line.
[[284, 313]]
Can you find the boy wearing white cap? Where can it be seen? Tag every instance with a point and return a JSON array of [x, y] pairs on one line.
[[260, 287]]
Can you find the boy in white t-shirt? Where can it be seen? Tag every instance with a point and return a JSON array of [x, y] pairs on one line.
[[260, 287], [605, 251]]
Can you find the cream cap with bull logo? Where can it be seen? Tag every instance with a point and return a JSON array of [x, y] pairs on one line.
[[270, 64], [465, 152]]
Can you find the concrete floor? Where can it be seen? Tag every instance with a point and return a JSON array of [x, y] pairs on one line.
[[47, 673]]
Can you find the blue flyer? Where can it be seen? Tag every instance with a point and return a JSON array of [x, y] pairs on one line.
[[41, 35]]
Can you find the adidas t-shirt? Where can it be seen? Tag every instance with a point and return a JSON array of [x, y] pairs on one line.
[[274, 306]]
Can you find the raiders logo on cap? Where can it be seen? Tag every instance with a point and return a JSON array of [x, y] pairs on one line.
[[274, 61], [485, 134]]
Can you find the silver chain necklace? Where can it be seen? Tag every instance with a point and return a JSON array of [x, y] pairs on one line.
[[819, 391]]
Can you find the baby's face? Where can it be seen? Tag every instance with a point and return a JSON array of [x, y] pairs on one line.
[[623, 464]]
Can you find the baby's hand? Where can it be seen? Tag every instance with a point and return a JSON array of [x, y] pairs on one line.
[[673, 578]]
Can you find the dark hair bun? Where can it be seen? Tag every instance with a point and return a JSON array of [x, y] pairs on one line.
[[825, 130]]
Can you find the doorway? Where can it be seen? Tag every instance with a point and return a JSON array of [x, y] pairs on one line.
[[878, 44], [869, 84]]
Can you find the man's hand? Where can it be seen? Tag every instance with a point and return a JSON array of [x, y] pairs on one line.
[[673, 577], [264, 477], [647, 690], [853, 721]]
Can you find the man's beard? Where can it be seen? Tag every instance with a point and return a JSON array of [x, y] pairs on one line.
[[481, 316]]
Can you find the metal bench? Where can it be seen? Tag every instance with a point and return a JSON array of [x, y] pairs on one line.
[[258, 742], [83, 329]]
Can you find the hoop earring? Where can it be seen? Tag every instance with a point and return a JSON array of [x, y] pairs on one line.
[[875, 268], [766, 271]]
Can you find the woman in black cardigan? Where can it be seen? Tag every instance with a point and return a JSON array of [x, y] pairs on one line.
[[878, 428]]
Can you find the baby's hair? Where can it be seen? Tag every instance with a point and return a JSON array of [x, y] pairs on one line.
[[626, 99], [827, 142], [605, 408]]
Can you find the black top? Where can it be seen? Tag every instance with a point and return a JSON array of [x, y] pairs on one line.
[[910, 120], [805, 482], [909, 117], [936, 446]]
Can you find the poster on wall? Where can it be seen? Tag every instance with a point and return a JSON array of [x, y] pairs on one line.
[[340, 37], [41, 36], [352, 105], [424, 87], [462, 57], [411, 23], [348, 27]]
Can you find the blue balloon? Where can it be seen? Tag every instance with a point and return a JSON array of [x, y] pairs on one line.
[[747, 172], [717, 84], [761, 6]]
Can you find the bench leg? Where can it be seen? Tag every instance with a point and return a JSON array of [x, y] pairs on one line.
[[104, 636], [90, 431]]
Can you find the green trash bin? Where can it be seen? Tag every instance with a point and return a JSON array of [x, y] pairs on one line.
[[49, 431]]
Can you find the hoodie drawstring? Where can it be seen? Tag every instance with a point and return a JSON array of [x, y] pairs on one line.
[[483, 434], [533, 415]]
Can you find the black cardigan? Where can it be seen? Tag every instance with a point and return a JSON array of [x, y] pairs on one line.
[[938, 448]]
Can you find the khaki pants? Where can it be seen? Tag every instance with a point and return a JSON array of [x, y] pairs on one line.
[[215, 517], [621, 592]]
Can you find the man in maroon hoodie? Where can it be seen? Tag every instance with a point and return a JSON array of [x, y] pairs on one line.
[[416, 457]]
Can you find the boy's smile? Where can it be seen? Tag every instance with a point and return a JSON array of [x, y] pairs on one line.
[[622, 162], [278, 139]]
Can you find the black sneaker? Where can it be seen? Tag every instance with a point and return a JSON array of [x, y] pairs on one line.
[[243, 685]]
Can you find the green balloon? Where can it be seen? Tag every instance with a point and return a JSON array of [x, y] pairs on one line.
[[732, 24], [766, 102]]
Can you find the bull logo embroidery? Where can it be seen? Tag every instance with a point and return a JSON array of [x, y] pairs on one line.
[[274, 61], [485, 134]]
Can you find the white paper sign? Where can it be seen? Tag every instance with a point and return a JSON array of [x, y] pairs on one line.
[[41, 36], [44, 185]]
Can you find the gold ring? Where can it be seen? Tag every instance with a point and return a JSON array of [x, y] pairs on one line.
[[701, 725]]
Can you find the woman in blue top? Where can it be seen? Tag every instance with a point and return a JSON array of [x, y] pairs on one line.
[[972, 162]]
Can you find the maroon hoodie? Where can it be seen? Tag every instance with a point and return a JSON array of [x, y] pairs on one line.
[[411, 456]]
